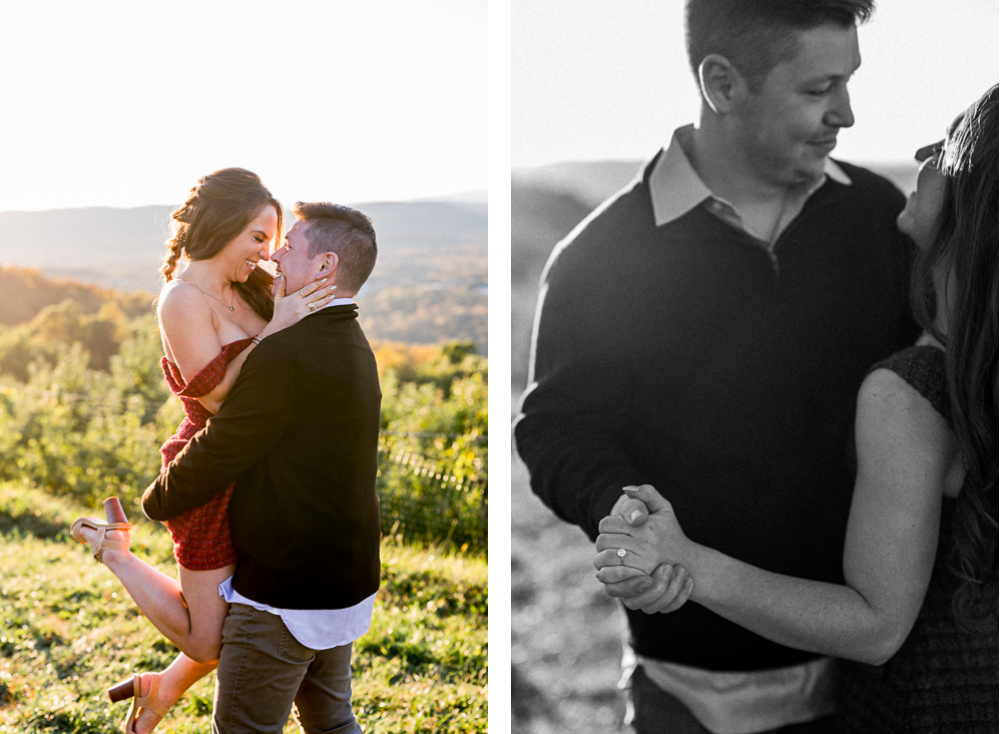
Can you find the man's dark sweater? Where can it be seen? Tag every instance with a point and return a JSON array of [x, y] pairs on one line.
[[684, 357], [298, 434]]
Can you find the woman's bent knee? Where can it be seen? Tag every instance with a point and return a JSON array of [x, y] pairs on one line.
[[205, 652], [207, 655]]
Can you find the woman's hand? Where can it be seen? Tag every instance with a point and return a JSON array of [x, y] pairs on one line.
[[634, 562], [657, 541], [290, 309]]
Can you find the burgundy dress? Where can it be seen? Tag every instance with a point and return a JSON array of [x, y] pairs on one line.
[[201, 535]]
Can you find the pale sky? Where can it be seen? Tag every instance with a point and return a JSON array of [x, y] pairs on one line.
[[122, 103], [608, 79]]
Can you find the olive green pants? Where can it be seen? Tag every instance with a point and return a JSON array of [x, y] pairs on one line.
[[264, 671]]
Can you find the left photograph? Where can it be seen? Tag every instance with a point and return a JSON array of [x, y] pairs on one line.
[[244, 369]]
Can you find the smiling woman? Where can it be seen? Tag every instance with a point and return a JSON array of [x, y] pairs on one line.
[[230, 206]]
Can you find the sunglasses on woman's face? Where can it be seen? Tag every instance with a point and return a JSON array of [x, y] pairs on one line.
[[932, 153]]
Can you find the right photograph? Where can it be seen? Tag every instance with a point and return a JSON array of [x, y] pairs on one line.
[[754, 367]]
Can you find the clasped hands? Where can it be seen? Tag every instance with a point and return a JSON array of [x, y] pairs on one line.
[[649, 576]]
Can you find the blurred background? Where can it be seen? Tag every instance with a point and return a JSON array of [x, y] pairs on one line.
[[598, 86]]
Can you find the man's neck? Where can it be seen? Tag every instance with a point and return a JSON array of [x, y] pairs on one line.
[[723, 167]]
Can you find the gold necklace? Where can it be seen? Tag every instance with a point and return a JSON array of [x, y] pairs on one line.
[[231, 308]]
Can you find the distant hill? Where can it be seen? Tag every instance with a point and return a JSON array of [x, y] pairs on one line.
[[465, 197], [438, 241], [540, 217], [589, 181], [26, 292], [594, 181]]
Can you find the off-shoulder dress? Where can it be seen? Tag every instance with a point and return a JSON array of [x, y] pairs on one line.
[[200, 535]]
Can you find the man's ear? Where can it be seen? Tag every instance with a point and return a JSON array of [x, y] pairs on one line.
[[721, 84], [329, 263]]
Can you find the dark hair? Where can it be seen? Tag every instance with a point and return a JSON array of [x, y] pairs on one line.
[[756, 35], [965, 252], [217, 210], [345, 231]]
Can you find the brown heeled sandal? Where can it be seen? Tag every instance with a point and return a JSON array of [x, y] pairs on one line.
[[116, 520], [131, 689]]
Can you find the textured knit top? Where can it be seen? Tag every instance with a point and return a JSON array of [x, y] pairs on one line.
[[298, 433], [943, 680], [688, 357]]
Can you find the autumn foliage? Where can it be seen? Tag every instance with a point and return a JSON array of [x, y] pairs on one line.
[[84, 408]]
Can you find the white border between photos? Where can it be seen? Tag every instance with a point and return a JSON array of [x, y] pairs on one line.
[[499, 347]]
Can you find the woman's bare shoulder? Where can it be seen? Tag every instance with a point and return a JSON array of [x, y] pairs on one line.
[[188, 326], [184, 314], [893, 416], [179, 299]]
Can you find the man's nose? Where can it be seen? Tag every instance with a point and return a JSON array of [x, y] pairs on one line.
[[840, 113]]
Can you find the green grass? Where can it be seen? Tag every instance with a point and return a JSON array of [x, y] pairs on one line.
[[68, 631]]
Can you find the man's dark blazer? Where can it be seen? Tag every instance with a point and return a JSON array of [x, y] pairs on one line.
[[298, 434]]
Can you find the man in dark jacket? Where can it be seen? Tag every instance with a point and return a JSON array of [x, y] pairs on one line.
[[298, 434], [705, 332]]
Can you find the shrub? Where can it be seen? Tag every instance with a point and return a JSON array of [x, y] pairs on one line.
[[90, 433]]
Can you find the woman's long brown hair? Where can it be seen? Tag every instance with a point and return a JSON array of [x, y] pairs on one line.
[[966, 252], [217, 210]]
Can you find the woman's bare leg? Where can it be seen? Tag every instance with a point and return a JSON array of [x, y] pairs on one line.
[[174, 681], [187, 612]]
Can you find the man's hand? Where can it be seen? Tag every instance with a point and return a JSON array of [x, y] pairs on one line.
[[667, 590], [630, 509], [626, 576]]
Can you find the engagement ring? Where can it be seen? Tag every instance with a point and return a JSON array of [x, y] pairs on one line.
[[312, 306], [621, 555]]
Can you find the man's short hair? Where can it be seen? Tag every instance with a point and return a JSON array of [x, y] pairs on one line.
[[757, 35], [346, 232]]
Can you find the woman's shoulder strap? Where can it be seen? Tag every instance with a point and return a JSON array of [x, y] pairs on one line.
[[923, 368]]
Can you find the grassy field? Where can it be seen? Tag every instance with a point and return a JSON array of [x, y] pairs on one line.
[[68, 630], [565, 632]]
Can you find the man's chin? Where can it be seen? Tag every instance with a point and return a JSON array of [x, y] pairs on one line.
[[793, 172], [808, 173]]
